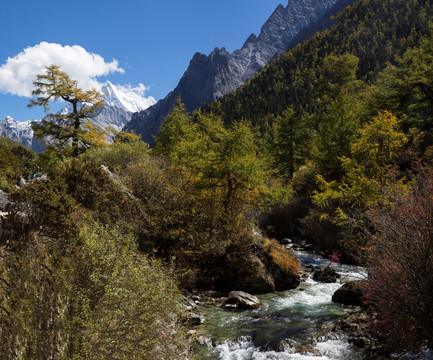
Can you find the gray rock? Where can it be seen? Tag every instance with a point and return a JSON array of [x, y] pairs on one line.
[[280, 345], [361, 341], [309, 268], [4, 200], [285, 241], [241, 300], [204, 340]]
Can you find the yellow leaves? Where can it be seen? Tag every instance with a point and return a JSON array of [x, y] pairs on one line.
[[379, 141], [328, 191], [92, 135], [64, 129], [324, 217], [126, 137], [368, 173], [340, 217]]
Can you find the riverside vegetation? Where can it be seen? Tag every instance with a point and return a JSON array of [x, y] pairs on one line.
[[334, 136]]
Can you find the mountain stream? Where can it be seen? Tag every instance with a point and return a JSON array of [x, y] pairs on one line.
[[295, 324]]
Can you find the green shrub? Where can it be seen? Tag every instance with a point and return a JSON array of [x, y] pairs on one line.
[[96, 298], [92, 188], [118, 155], [128, 305], [8, 168], [44, 208]]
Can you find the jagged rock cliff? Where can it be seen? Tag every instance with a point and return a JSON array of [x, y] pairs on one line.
[[20, 131], [208, 78]]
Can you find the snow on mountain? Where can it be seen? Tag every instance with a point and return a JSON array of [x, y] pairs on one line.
[[121, 102], [16, 130], [129, 99], [20, 131]]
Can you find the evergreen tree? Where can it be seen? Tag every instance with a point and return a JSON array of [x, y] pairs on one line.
[[366, 172], [337, 116], [289, 146], [407, 88]]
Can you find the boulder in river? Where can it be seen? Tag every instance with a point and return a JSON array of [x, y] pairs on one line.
[[351, 293], [241, 300], [326, 275], [273, 268], [196, 320], [281, 265]]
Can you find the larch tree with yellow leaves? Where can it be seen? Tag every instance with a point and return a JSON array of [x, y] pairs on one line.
[[69, 132]]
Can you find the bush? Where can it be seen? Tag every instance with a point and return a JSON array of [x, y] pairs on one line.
[[8, 168], [128, 305], [118, 156], [92, 188], [35, 300], [43, 208], [99, 299], [400, 262]]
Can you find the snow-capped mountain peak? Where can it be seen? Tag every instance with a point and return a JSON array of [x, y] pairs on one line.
[[20, 131], [127, 98], [121, 102]]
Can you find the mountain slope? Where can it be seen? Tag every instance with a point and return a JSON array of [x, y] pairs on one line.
[[208, 78], [373, 30]]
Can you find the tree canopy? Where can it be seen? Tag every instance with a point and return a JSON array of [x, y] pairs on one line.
[[66, 129]]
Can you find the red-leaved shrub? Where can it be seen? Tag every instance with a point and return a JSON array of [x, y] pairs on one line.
[[400, 263]]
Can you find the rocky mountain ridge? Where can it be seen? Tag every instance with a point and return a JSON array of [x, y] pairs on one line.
[[209, 77]]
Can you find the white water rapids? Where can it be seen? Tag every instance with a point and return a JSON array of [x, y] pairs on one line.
[[294, 324]]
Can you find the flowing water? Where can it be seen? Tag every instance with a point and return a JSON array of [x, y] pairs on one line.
[[294, 324]]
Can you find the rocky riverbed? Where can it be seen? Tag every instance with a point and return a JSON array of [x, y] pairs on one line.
[[299, 324]]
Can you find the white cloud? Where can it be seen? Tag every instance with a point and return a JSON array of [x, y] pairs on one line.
[[19, 72], [140, 89]]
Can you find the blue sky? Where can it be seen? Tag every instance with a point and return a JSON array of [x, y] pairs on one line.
[[137, 42]]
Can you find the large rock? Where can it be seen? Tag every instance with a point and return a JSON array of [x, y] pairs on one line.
[[257, 282], [196, 320], [351, 293], [326, 275], [275, 269], [4, 200], [241, 300], [281, 266]]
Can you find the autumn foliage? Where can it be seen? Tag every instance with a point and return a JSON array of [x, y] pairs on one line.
[[400, 262]]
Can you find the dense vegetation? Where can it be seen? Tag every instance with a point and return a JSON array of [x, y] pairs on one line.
[[93, 256], [372, 30], [335, 136], [345, 117], [15, 160]]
